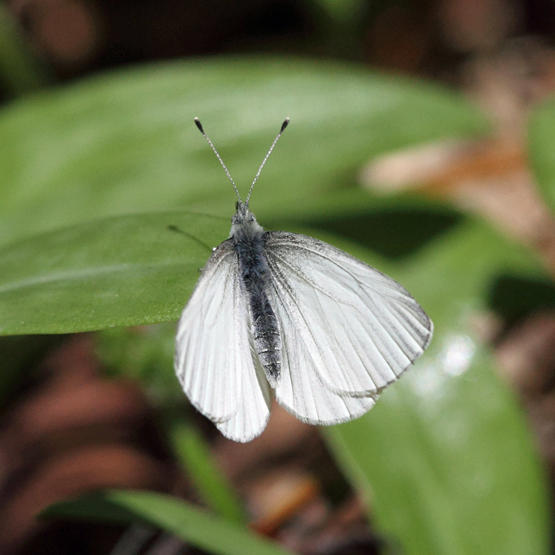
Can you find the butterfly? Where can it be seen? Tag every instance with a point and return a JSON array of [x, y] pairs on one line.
[[278, 314]]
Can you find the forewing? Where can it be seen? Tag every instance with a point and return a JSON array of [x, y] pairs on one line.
[[359, 329], [213, 358], [300, 388]]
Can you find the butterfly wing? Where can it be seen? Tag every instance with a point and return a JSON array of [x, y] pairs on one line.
[[300, 388], [253, 411], [213, 357], [345, 326]]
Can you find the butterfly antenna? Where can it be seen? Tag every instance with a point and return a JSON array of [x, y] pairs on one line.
[[283, 126], [201, 129]]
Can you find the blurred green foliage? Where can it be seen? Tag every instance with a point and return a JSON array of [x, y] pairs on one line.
[[541, 152], [444, 461], [448, 444], [20, 72], [193, 525], [125, 143], [144, 354], [195, 457]]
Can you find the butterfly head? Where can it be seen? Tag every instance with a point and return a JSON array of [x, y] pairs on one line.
[[243, 221]]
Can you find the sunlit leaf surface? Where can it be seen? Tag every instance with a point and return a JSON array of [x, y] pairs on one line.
[[114, 272], [126, 142], [445, 460]]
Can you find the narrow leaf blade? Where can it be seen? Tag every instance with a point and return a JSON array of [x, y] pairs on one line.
[[542, 154], [173, 515]]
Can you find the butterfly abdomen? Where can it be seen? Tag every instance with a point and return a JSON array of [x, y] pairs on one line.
[[255, 276]]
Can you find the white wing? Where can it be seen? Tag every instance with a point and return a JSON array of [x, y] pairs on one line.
[[300, 388], [254, 409], [213, 358], [344, 325]]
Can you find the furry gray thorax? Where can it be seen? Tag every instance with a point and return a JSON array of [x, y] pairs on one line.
[[249, 241]]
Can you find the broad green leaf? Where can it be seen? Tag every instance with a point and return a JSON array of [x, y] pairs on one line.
[[186, 521], [125, 142], [542, 155], [445, 459], [132, 270], [115, 272]]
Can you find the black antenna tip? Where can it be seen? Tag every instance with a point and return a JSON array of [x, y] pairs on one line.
[[284, 125], [199, 125]]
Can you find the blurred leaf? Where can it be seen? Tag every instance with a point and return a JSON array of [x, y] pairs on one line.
[[393, 226], [115, 272], [445, 460], [195, 456], [144, 354], [347, 14], [20, 72], [541, 138], [125, 142], [186, 521]]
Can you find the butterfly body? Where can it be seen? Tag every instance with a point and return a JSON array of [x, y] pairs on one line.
[[249, 243]]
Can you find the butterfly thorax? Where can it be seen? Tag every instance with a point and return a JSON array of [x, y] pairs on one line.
[[249, 242]]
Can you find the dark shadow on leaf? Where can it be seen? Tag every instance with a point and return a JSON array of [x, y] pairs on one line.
[[513, 296], [393, 232]]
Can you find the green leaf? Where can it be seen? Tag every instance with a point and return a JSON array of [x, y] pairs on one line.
[[195, 456], [20, 72], [125, 143], [540, 148], [445, 459], [129, 270], [186, 521], [115, 272]]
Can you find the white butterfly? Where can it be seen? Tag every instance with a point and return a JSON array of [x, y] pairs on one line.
[[285, 315]]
